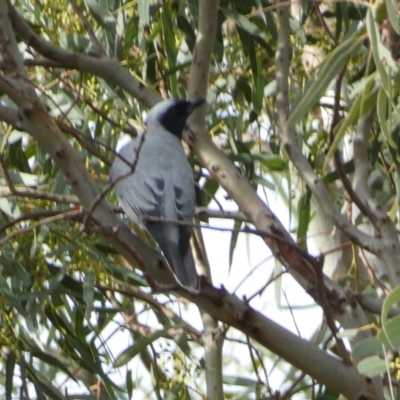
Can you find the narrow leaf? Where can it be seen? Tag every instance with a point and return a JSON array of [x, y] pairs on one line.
[[50, 360], [329, 70], [10, 365], [233, 242], [373, 32], [304, 208], [144, 11], [88, 293], [134, 350], [364, 103], [390, 334], [169, 40], [382, 112], [391, 300], [129, 383], [393, 14]]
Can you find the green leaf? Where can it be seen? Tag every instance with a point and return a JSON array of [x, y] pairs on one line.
[[372, 366], [99, 13], [331, 67], [87, 358], [328, 394], [233, 242], [58, 322], [258, 89], [9, 372], [50, 360], [42, 385], [271, 161], [367, 347], [333, 176], [73, 41], [134, 350], [183, 344], [106, 250], [242, 22], [373, 32], [363, 104], [169, 40], [390, 334], [88, 293], [22, 178], [391, 300], [126, 275], [144, 11], [393, 14], [239, 381], [304, 208], [382, 113], [207, 192], [244, 86], [17, 157], [187, 29], [129, 383], [10, 296], [263, 182]]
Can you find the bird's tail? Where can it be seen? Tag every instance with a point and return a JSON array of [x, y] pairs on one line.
[[183, 267]]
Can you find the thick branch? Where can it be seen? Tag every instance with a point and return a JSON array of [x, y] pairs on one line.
[[213, 338], [301, 353], [387, 236], [350, 317]]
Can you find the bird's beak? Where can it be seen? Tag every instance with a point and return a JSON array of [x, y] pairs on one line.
[[193, 104]]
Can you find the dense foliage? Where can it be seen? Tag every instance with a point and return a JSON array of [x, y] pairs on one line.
[[301, 102]]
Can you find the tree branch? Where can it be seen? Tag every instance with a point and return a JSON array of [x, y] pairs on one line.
[[213, 337], [105, 67], [301, 353], [291, 143], [386, 235], [95, 43]]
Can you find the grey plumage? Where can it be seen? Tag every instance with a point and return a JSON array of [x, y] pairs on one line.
[[161, 185]]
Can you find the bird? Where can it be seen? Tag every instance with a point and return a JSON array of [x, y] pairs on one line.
[[155, 185]]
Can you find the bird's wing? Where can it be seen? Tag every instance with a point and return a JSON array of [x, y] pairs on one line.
[[143, 194], [184, 209], [141, 190]]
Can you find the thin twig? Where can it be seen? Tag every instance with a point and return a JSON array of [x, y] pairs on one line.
[[260, 264], [291, 313], [3, 167], [131, 130], [50, 220], [253, 361], [337, 158], [38, 194], [88, 28], [270, 280], [131, 291], [372, 274], [323, 22], [246, 229], [288, 392], [25, 217], [325, 304]]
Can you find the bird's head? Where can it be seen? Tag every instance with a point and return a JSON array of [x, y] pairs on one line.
[[172, 114]]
